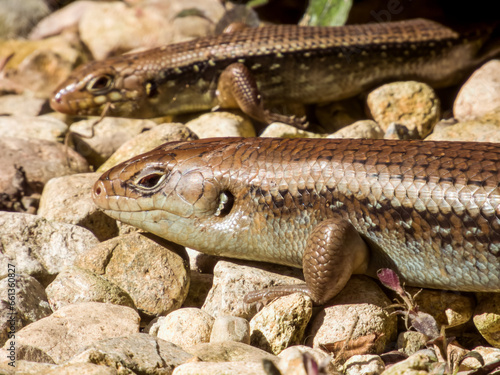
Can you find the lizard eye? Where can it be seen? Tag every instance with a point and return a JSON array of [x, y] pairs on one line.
[[100, 83], [151, 181]]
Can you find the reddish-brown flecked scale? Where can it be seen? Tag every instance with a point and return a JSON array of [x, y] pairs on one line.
[[429, 210], [289, 64]]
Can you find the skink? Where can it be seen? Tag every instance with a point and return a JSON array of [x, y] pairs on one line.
[[272, 65], [428, 210]]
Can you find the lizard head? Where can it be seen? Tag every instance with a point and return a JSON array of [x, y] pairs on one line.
[[173, 191]]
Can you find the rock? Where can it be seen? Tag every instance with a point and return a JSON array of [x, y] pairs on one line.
[[419, 363], [151, 270], [413, 104], [68, 199], [24, 367], [38, 247], [359, 308], [221, 124], [32, 162], [147, 141], [17, 19], [186, 327], [487, 318], [26, 106], [411, 342], [72, 327], [218, 368], [39, 66], [233, 280], [230, 328], [486, 129], [279, 130], [364, 365], [360, 129], [108, 135], [480, 95], [489, 355], [448, 308], [282, 323], [229, 351], [26, 297], [139, 352], [74, 285], [297, 359], [39, 127]]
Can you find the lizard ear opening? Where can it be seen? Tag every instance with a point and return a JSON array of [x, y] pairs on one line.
[[226, 202]]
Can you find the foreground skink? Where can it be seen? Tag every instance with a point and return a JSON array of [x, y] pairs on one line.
[[258, 68], [428, 210]]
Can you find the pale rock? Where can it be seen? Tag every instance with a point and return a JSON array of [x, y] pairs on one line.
[[107, 136], [26, 106], [186, 327], [229, 351], [360, 129], [480, 95], [280, 130], [30, 303], [17, 19], [154, 272], [364, 365], [221, 124], [65, 332], [411, 342], [294, 360], [413, 104], [74, 284], [68, 199], [488, 354], [230, 328], [147, 141], [419, 363], [487, 318], [138, 353], [233, 280], [486, 129], [281, 323], [359, 308], [38, 247], [219, 368]]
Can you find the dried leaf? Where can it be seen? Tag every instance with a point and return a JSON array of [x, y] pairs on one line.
[[348, 348], [424, 323], [390, 280]]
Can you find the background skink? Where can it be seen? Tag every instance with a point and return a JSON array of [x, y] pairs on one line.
[[428, 210], [272, 65]]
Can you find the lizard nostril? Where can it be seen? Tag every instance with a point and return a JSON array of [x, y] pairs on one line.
[[98, 191]]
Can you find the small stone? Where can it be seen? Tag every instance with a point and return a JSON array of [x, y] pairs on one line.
[[233, 280], [74, 285], [419, 363], [38, 247], [487, 318], [361, 308], [294, 360], [30, 303], [221, 124], [186, 327], [411, 342], [280, 130], [147, 141], [364, 365], [360, 129], [152, 271], [448, 308], [68, 199], [413, 104], [486, 129], [230, 328], [229, 351], [219, 368], [282, 323], [480, 95], [22, 107], [139, 353], [62, 334], [17, 19], [107, 136]]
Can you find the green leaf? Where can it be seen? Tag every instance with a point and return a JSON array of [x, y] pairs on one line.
[[326, 13]]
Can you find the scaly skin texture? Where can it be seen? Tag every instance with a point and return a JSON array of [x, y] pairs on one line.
[[272, 65], [428, 210]]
